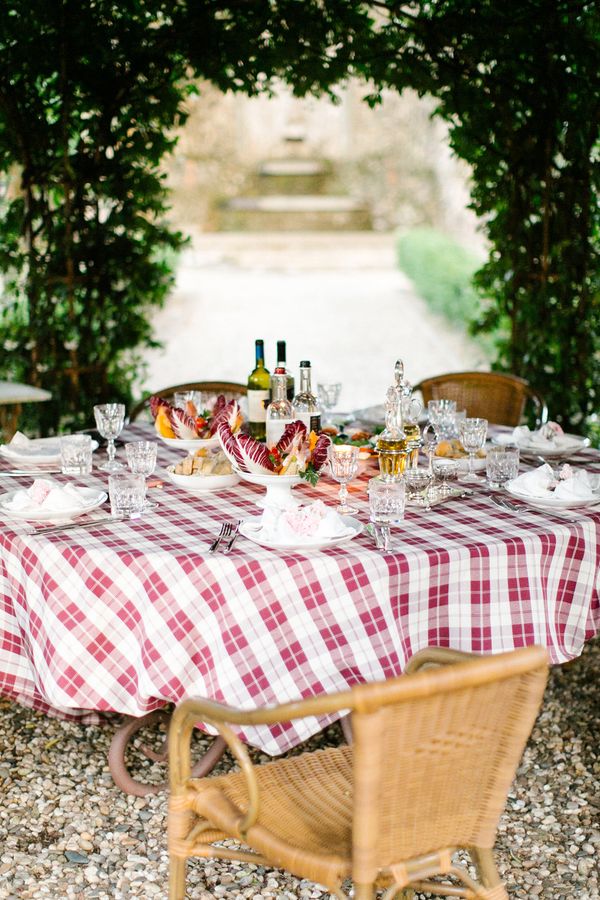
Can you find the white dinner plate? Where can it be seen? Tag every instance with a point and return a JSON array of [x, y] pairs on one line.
[[570, 444], [200, 484], [463, 463], [91, 497], [551, 502], [182, 444], [37, 451], [251, 529]]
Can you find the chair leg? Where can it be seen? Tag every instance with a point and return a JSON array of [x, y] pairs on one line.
[[364, 891], [177, 873], [488, 872]]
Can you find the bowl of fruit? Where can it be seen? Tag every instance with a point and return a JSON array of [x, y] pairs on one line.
[[191, 428]]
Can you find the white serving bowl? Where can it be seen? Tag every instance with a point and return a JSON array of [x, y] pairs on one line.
[[201, 484], [195, 444]]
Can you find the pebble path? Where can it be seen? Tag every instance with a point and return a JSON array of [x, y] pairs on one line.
[[67, 832]]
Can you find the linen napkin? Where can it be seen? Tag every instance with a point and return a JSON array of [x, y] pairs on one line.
[[549, 438], [576, 484], [46, 495], [302, 524], [537, 483], [20, 446]]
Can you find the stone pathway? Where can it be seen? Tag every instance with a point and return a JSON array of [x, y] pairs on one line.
[[337, 298]]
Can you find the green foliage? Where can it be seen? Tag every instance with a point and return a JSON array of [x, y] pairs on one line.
[[442, 271], [519, 88], [89, 93], [86, 101]]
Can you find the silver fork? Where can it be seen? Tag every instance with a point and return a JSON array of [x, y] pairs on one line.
[[231, 540], [225, 532]]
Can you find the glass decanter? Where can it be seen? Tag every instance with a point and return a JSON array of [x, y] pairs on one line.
[[392, 445]]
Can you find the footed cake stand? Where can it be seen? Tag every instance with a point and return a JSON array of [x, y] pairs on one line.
[[279, 488]]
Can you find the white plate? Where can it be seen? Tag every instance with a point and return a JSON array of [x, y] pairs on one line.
[[199, 484], [37, 451], [573, 443], [550, 502], [463, 463], [92, 498], [251, 529], [197, 444]]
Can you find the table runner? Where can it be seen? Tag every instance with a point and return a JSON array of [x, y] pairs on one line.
[[129, 618]]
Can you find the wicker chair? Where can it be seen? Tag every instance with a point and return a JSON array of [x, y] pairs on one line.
[[228, 388], [433, 758], [494, 396]]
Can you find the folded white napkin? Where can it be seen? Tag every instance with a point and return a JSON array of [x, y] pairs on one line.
[[20, 445], [302, 524], [47, 495], [572, 484], [537, 483], [545, 439]]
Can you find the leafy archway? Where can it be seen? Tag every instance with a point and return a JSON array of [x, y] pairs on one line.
[[89, 93]]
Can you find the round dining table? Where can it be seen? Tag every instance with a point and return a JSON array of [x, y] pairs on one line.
[[129, 616]]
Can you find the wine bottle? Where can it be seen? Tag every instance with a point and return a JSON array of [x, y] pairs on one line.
[[306, 406], [281, 364], [259, 383], [279, 411]]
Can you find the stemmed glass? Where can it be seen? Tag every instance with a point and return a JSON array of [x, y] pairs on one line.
[[329, 394], [473, 433], [141, 459], [430, 438], [110, 418], [343, 466]]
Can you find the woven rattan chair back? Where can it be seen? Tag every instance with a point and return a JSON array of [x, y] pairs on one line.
[[433, 758], [230, 389], [497, 397]]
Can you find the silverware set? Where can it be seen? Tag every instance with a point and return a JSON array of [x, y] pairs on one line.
[[68, 526], [510, 506], [225, 539]]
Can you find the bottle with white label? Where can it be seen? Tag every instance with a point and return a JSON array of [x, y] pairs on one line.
[[259, 385], [306, 405], [279, 411], [281, 363]]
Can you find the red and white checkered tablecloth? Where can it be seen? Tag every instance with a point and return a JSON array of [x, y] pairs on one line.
[[128, 618]]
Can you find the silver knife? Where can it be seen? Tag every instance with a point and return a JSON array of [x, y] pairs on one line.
[[231, 540], [14, 473], [88, 523]]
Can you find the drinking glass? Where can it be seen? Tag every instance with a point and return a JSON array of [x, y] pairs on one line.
[[445, 470], [473, 433], [442, 415], [418, 482], [502, 465], [127, 493], [329, 394], [386, 501], [141, 459], [343, 466], [76, 454], [110, 418]]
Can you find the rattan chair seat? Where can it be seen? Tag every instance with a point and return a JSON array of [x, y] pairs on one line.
[[307, 803], [496, 396]]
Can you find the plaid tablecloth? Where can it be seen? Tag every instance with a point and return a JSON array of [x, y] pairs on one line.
[[136, 615]]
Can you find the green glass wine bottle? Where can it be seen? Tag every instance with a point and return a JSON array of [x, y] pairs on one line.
[[259, 394]]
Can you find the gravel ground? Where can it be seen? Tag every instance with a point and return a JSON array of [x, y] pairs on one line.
[[67, 832]]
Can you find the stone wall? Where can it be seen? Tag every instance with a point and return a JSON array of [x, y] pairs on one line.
[[395, 157]]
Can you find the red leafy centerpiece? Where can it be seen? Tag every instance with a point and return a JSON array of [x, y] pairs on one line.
[[296, 453], [190, 424]]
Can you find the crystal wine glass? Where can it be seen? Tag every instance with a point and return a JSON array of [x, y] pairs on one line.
[[430, 438], [418, 483], [110, 418], [343, 466], [141, 459], [473, 433], [329, 394]]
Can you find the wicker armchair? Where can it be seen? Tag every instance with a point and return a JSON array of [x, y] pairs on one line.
[[433, 758], [494, 396], [228, 388]]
